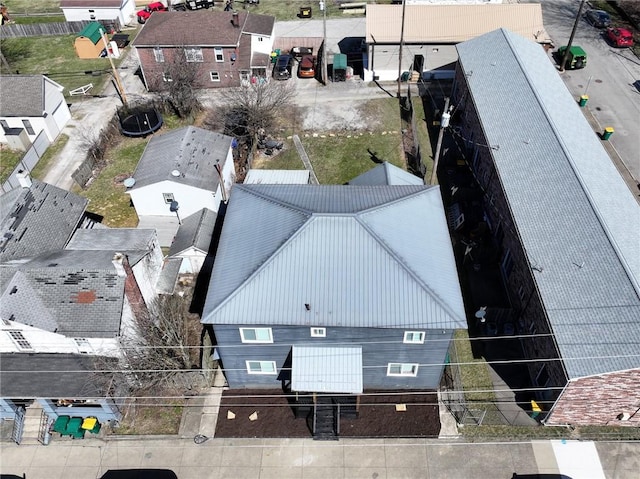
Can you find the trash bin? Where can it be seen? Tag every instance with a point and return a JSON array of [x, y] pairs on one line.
[[608, 131], [583, 100], [274, 55], [305, 12]]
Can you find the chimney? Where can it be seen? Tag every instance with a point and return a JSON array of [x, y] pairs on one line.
[[118, 263], [24, 179], [235, 21]]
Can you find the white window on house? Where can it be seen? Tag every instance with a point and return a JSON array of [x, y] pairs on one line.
[[158, 54], [194, 55], [215, 76], [414, 337], [256, 335], [402, 369], [20, 341], [28, 127], [83, 345], [318, 332], [219, 54], [168, 198], [261, 367], [166, 77]]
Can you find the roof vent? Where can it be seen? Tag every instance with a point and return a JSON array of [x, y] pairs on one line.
[[175, 173]]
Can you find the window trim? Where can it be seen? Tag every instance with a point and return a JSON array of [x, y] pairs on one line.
[[422, 335], [19, 340], [318, 332], [245, 340], [413, 373], [158, 55], [217, 74], [261, 362], [218, 53], [194, 55]]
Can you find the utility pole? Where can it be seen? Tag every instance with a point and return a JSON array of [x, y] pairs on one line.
[[573, 34], [401, 48], [444, 122], [114, 70], [323, 7]]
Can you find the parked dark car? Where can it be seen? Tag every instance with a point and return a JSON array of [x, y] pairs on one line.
[[598, 18], [307, 67], [282, 68]]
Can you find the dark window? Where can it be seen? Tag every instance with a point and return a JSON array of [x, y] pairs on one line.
[[28, 127]]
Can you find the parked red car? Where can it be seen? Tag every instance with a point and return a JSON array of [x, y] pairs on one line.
[[145, 13], [307, 67], [619, 37]]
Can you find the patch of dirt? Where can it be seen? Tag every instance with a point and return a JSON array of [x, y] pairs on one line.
[[377, 416]]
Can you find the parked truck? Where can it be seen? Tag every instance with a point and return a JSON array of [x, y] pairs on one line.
[[182, 5]]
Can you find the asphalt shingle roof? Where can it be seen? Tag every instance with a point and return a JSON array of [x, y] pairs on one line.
[[43, 375], [190, 152], [38, 219], [577, 220], [22, 95], [133, 242], [74, 293], [195, 231], [213, 29], [354, 253]]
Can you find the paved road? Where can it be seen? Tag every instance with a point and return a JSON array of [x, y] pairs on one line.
[[608, 80], [305, 458]]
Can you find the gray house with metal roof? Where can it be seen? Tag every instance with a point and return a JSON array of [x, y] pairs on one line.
[[334, 289], [565, 222]]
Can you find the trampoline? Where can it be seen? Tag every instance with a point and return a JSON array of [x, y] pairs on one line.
[[141, 123]]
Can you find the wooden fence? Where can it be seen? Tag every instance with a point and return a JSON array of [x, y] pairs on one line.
[[15, 30]]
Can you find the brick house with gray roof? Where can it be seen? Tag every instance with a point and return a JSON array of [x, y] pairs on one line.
[[226, 48]]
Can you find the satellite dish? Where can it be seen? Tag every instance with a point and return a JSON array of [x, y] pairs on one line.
[[129, 182], [173, 207], [175, 173]]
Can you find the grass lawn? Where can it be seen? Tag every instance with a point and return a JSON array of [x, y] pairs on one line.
[[42, 167], [55, 57], [8, 161], [339, 156], [151, 419], [106, 192], [33, 6]]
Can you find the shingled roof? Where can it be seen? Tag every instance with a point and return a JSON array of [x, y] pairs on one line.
[[74, 293], [24, 95], [37, 220], [213, 29]]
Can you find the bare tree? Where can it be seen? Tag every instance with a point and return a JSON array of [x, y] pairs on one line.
[[161, 347], [178, 83], [256, 106]]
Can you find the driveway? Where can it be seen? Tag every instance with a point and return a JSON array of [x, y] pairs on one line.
[[608, 80]]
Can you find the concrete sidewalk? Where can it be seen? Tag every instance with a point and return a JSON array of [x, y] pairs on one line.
[[306, 458]]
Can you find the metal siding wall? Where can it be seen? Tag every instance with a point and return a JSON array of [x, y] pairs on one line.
[[379, 347]]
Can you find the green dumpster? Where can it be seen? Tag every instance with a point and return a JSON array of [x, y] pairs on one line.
[[274, 55], [583, 100], [608, 131], [404, 76]]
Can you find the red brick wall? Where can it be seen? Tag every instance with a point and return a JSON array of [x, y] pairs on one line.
[[598, 400], [228, 70]]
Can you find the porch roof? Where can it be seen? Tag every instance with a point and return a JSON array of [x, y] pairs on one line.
[[326, 369]]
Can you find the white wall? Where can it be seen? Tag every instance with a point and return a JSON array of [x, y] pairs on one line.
[[261, 44], [100, 13], [46, 342], [148, 270], [386, 57], [149, 201], [192, 261], [38, 124]]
